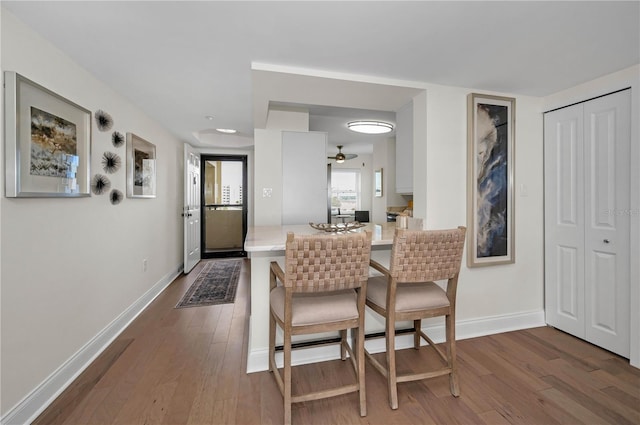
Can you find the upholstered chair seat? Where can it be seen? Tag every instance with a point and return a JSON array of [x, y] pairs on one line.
[[412, 296], [314, 309]]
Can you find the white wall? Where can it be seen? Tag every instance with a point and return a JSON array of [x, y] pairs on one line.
[[626, 78], [268, 164], [71, 267], [384, 157], [503, 290]]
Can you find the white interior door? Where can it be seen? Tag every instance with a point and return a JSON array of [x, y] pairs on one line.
[[587, 219], [564, 219], [607, 238], [191, 208]]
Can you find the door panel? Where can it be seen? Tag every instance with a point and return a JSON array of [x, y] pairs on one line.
[[568, 292], [564, 220], [191, 208], [607, 151], [603, 293]]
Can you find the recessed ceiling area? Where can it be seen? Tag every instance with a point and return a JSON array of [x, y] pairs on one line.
[[333, 120]]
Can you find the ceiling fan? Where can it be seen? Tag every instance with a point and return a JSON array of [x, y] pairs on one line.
[[341, 157]]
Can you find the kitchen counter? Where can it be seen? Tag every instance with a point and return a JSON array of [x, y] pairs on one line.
[[273, 238], [266, 244]]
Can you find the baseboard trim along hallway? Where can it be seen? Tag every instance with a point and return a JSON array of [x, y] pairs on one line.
[[37, 401]]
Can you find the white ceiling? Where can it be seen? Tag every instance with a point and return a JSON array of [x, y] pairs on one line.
[[181, 61]]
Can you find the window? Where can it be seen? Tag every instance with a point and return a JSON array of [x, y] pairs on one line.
[[345, 191]]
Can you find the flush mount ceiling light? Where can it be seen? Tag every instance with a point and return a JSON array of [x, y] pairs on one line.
[[226, 130], [370, 127]]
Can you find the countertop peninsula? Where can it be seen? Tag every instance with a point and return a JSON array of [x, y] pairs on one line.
[[273, 238]]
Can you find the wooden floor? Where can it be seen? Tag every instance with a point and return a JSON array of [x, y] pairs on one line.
[[187, 366]]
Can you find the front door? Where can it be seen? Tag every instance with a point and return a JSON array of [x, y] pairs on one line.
[[224, 215], [191, 208]]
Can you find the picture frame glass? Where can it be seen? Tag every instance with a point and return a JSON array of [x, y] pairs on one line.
[[48, 142], [141, 167], [378, 183], [491, 134]]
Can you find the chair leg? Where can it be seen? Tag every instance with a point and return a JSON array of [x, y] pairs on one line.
[[451, 355], [359, 354], [287, 378], [391, 363], [272, 343], [343, 343], [417, 325]]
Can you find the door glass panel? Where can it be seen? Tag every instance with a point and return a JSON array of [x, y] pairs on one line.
[[223, 206]]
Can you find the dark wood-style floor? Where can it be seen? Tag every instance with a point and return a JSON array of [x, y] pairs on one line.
[[187, 366]]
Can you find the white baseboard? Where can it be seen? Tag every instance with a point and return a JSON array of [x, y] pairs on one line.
[[44, 394], [258, 360]]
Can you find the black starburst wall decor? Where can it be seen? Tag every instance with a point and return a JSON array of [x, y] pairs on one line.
[[117, 139], [103, 120], [111, 162], [100, 184], [116, 197]]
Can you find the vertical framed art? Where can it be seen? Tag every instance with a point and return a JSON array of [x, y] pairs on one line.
[[47, 142], [141, 167], [490, 180]]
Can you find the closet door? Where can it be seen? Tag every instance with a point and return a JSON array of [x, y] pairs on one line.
[[607, 238], [587, 217], [564, 219]]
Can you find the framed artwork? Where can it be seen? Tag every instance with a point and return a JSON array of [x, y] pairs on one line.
[[141, 167], [490, 180], [47, 142], [378, 183]]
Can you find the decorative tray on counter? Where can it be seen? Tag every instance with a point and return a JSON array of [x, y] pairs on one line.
[[339, 227]]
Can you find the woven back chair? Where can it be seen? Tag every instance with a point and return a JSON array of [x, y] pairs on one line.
[[406, 291], [323, 288]]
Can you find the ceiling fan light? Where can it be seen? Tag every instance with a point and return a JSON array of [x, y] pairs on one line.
[[340, 157], [370, 127]]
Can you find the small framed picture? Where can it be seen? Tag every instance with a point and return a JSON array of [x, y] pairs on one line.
[[378, 183], [490, 180], [141, 167], [47, 142]]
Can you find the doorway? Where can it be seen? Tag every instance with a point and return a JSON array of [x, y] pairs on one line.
[[224, 209]]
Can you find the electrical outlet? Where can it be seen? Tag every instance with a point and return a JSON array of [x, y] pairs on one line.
[[267, 192], [144, 265]]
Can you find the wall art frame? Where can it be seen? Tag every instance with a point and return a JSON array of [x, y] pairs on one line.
[[47, 142], [141, 167], [490, 180], [377, 179]]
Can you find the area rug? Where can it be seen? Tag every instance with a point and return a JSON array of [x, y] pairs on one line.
[[216, 284]]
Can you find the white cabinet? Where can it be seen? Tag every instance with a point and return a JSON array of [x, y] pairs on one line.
[[404, 149], [587, 217], [304, 177]]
